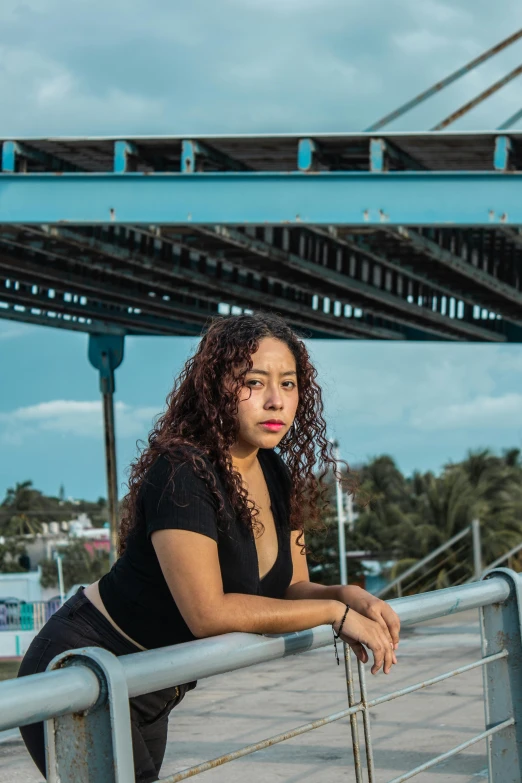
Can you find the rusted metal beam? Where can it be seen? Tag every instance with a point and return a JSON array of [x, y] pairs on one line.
[[511, 120], [214, 290], [445, 82], [447, 258], [456, 115], [381, 302]]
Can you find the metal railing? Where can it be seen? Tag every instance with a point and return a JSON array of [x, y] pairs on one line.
[[84, 696], [472, 530], [506, 556]]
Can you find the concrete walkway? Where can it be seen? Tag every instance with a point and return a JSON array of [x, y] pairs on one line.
[[232, 710]]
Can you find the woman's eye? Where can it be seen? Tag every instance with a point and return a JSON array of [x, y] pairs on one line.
[[289, 385], [251, 383]]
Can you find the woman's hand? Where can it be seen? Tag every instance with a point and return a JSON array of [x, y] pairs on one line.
[[369, 606], [358, 631]]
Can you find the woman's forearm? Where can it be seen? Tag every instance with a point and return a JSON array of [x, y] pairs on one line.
[[257, 614], [306, 590]]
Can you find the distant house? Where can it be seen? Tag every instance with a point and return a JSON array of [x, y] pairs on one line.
[[94, 537]]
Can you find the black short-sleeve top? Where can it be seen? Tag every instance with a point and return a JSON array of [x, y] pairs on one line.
[[135, 592]]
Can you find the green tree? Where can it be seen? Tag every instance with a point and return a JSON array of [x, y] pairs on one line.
[[18, 503], [78, 565], [10, 553], [409, 518], [24, 508]]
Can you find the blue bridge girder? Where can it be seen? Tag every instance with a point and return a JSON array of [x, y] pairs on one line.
[[351, 198], [388, 236]]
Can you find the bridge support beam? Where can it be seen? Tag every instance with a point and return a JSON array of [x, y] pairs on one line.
[[343, 198], [106, 354]]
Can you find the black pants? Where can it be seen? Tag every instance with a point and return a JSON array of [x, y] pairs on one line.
[[79, 624]]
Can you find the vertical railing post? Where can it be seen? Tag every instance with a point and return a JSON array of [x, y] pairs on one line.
[[477, 549], [354, 723], [370, 768], [95, 745], [106, 354], [502, 630]]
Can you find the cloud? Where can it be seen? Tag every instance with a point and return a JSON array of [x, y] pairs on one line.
[[239, 65], [504, 411], [408, 389], [420, 41], [287, 6], [423, 403], [49, 88], [82, 419], [431, 12]]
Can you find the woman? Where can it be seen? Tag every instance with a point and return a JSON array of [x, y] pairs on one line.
[[211, 538]]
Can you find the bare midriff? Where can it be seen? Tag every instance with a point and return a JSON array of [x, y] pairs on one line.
[[93, 594]]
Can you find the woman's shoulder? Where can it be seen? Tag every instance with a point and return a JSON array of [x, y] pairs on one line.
[[180, 467], [174, 495]]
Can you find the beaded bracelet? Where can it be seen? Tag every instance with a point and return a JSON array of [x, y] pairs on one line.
[[337, 636]]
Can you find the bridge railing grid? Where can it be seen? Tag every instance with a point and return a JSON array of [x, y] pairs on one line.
[[83, 697]]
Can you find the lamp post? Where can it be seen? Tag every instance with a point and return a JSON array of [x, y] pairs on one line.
[[340, 519], [58, 559]]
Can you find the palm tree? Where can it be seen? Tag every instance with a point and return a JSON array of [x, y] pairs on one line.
[[19, 497], [412, 517], [18, 508]]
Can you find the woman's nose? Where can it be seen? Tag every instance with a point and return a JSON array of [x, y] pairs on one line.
[[274, 398]]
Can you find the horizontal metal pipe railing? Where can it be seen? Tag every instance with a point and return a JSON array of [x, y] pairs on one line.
[[42, 696], [220, 654], [361, 706], [261, 745], [435, 680], [453, 752], [503, 558], [74, 689], [425, 560]]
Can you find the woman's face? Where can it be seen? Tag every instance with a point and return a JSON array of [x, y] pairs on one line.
[[268, 400]]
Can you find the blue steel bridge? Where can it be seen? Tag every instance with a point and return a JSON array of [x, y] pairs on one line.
[[367, 236], [412, 236]]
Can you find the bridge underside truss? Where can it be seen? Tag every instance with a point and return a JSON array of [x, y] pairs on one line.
[[398, 237]]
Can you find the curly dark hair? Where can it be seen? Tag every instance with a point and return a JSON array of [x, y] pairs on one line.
[[200, 424]]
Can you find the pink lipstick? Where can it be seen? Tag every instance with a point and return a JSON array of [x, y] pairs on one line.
[[273, 425]]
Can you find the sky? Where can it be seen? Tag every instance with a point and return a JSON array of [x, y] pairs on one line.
[[159, 67]]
